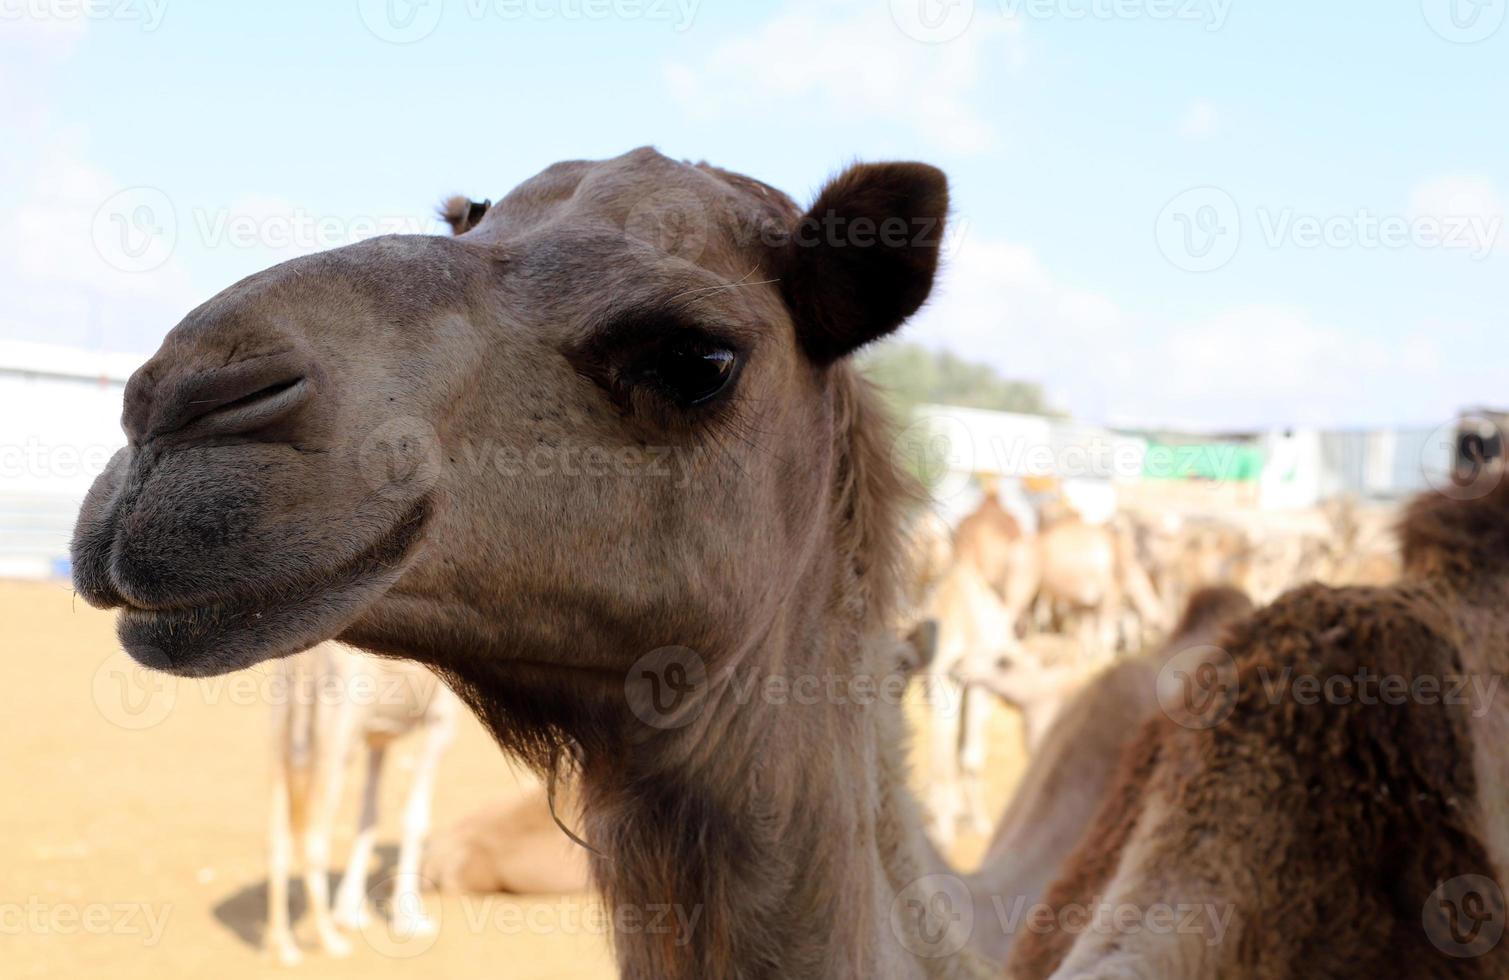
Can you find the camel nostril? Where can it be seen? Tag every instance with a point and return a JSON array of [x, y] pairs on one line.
[[1003, 663], [231, 400], [216, 416]]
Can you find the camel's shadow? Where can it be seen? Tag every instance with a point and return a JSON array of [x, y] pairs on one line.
[[244, 912]]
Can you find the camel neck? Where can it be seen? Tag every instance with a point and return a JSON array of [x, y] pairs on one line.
[[770, 834]]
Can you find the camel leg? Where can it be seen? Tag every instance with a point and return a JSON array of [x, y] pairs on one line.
[[1109, 618], [1107, 632], [351, 897], [972, 748], [1129, 625], [408, 915], [946, 701], [278, 940], [324, 796], [1088, 628]]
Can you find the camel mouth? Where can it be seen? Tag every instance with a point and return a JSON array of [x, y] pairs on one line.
[[240, 632]]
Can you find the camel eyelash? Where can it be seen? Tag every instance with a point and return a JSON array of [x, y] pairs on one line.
[[665, 371], [689, 371]]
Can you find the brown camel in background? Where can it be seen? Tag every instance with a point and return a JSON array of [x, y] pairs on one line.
[[1069, 772], [1088, 571], [513, 847], [973, 625], [987, 539], [979, 605], [707, 507], [1319, 823]]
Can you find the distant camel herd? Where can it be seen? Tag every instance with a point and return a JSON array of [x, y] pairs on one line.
[[301, 468]]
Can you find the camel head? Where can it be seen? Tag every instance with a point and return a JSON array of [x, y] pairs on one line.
[[607, 417]]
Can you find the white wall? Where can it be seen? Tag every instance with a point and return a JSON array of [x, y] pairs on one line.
[[56, 434]]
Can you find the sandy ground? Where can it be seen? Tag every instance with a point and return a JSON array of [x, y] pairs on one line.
[[132, 816]]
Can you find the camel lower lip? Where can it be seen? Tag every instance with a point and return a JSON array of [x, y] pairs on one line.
[[217, 638]]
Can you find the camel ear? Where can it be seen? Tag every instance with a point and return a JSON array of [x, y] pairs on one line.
[[862, 259], [463, 214]]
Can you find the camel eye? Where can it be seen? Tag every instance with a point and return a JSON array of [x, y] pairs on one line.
[[690, 372]]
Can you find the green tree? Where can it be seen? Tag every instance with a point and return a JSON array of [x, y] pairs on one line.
[[912, 375]]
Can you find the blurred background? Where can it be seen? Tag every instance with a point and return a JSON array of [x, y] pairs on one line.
[[1225, 280]]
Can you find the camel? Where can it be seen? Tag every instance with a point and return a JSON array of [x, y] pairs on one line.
[[930, 543], [1077, 756], [966, 603], [1352, 555], [1334, 802], [332, 700], [928, 558], [1037, 690], [978, 605], [988, 538], [1089, 570], [513, 847], [601, 461], [1184, 555], [972, 625]]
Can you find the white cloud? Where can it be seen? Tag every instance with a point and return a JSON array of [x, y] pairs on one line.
[[58, 285], [851, 59], [997, 302], [1470, 204], [1247, 367], [1199, 121], [1279, 365]]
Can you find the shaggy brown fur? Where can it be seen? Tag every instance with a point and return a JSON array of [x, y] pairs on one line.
[[1324, 828], [1069, 774], [1208, 611]]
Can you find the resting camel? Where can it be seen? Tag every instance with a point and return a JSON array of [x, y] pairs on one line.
[[331, 699], [603, 462], [514, 847], [1069, 773], [1359, 833]]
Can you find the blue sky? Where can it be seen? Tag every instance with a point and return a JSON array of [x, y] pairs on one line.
[[1222, 212]]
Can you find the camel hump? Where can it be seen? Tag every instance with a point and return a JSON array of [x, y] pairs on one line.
[[1331, 735], [1212, 607], [1460, 540]]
